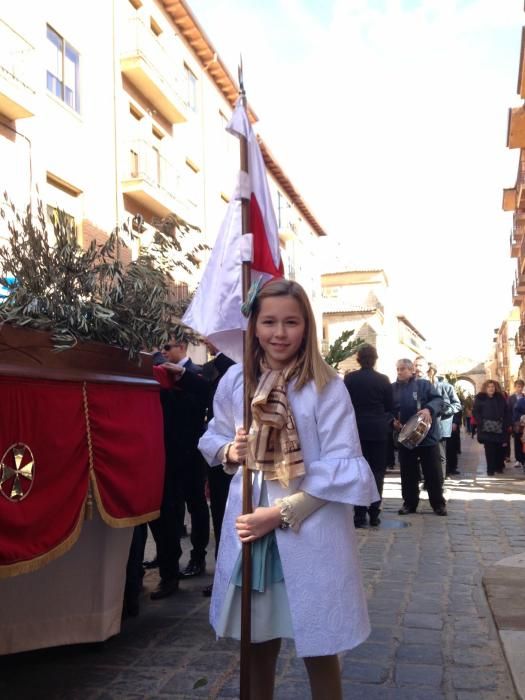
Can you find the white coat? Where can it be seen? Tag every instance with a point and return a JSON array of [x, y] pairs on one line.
[[321, 562]]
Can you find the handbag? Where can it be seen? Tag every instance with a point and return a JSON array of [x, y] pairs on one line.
[[492, 426]]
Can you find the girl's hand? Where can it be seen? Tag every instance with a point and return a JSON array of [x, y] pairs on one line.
[[239, 447], [255, 525]]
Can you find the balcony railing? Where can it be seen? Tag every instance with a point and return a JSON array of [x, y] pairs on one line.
[[154, 179], [155, 70], [17, 73]]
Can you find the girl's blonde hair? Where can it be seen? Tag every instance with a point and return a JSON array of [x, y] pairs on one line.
[[310, 364]]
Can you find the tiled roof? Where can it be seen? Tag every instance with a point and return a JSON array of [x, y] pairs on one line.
[[192, 31]]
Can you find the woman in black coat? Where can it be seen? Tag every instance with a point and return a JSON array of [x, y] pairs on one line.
[[493, 421]]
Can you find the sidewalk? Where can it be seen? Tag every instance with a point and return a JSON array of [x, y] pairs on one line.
[[433, 633]]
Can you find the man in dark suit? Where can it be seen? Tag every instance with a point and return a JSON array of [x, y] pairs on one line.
[[218, 480], [372, 398], [184, 410]]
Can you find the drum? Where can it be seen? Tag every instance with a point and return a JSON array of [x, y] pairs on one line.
[[413, 432]]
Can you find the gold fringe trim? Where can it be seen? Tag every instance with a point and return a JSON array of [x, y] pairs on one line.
[[119, 522], [27, 567], [93, 486]]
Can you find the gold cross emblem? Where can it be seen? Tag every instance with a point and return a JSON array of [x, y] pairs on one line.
[[17, 471]]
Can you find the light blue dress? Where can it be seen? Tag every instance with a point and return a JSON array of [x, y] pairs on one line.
[[270, 617]]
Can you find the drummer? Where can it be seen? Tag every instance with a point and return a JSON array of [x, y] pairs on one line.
[[418, 396]]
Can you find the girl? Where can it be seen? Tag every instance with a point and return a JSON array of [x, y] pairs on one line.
[[308, 473]]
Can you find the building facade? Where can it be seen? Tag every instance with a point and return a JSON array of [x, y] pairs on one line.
[[514, 201], [116, 112], [359, 300]]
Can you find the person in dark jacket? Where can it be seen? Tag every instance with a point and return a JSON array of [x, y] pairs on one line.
[[492, 415], [411, 396], [517, 428], [372, 398], [218, 480], [184, 411]]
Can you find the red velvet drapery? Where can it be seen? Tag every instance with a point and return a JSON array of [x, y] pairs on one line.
[[57, 437]]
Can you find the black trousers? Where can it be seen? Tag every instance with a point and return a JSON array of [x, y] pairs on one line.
[[219, 486], [183, 487], [452, 444], [495, 456], [134, 568], [518, 448], [375, 454], [430, 461], [194, 471]]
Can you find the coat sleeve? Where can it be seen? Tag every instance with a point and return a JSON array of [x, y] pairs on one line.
[[388, 398], [341, 473], [432, 399], [221, 429]]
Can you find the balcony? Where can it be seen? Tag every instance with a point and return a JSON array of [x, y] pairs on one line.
[[150, 179], [509, 199], [287, 231], [516, 128], [17, 74], [516, 296], [520, 183], [520, 340], [153, 71]]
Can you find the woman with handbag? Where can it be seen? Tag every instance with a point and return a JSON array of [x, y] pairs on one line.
[[493, 422]]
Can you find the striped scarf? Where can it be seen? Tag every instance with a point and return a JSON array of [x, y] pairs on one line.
[[273, 445]]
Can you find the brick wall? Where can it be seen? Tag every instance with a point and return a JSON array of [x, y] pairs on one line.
[[91, 232]]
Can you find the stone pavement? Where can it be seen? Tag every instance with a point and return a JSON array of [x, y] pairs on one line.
[[433, 634]]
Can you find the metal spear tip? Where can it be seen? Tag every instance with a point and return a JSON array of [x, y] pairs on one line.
[[241, 77]]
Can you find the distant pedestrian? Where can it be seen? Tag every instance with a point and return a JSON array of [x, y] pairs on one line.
[[372, 398], [517, 427], [413, 396], [492, 416]]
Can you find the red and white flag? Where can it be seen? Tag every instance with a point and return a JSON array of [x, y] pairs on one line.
[[215, 310]]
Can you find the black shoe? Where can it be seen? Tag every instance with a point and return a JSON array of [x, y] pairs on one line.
[[194, 568], [454, 473], [359, 523], [206, 592], [375, 521], [405, 510], [441, 511], [151, 564], [165, 588]]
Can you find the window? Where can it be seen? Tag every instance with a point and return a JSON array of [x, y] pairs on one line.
[[135, 112], [63, 70], [58, 217], [134, 162], [191, 88]]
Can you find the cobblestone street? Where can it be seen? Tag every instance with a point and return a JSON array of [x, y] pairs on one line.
[[432, 631]]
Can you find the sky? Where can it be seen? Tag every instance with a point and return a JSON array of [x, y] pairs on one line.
[[390, 118]]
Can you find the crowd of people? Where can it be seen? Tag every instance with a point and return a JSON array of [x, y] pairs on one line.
[[319, 449]]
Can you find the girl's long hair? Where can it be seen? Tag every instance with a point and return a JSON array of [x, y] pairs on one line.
[[310, 364]]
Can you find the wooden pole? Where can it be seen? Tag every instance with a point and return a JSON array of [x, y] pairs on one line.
[[246, 591]]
